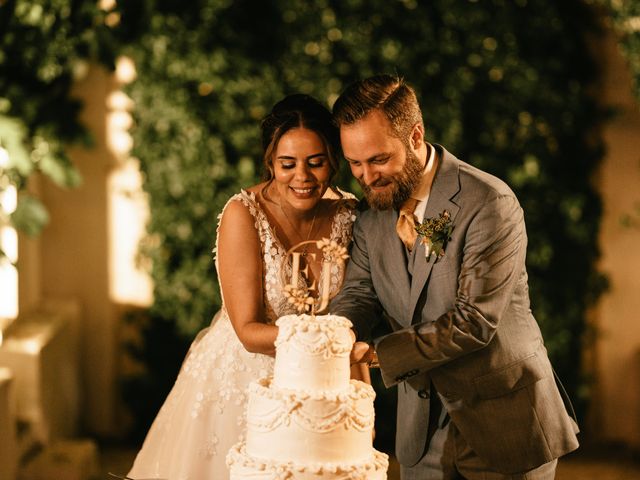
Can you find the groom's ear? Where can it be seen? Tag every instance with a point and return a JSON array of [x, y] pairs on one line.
[[417, 136]]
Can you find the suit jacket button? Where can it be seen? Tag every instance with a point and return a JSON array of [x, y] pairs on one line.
[[423, 394]]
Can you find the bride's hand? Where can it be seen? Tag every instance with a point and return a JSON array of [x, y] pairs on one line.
[[361, 353]]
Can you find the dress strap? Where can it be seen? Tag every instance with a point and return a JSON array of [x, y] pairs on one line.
[[343, 220]]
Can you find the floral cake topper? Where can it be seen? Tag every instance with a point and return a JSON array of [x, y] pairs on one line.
[[300, 295], [435, 233]]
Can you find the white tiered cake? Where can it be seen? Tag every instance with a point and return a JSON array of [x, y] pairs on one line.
[[310, 421]]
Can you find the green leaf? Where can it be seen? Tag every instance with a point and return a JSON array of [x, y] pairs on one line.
[[62, 172], [30, 215], [12, 137]]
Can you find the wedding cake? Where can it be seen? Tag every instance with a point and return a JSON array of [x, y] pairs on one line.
[[309, 421]]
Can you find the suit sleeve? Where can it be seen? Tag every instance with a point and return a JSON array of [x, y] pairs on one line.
[[493, 260], [357, 299]]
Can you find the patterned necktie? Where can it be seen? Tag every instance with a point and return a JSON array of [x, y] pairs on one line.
[[407, 222]]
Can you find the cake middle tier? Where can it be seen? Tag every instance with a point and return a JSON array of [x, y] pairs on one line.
[[334, 426]]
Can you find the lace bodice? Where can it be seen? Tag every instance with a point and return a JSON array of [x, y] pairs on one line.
[[274, 253]]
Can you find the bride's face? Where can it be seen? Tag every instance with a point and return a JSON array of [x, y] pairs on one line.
[[301, 168]]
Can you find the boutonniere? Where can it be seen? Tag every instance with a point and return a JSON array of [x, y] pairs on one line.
[[434, 234]]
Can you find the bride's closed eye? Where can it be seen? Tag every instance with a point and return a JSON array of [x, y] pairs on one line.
[[314, 162]]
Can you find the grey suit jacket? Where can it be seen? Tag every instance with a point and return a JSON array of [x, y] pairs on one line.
[[462, 322]]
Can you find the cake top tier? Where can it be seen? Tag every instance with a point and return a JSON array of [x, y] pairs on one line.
[[324, 335], [312, 352]]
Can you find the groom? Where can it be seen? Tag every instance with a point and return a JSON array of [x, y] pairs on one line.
[[477, 397]]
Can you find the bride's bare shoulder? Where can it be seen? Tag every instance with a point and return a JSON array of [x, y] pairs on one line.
[[237, 214], [237, 230]]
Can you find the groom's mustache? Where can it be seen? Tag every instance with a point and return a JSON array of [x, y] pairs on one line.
[[381, 182]]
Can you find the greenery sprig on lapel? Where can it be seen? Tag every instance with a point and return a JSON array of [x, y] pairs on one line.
[[434, 233]]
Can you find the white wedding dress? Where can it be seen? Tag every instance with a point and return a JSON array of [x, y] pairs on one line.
[[203, 415]]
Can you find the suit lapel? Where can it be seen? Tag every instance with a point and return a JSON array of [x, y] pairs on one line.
[[446, 185]]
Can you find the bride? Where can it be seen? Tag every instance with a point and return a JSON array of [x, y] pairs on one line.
[[203, 416]]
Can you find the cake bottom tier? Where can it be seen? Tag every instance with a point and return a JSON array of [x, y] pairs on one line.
[[245, 467]]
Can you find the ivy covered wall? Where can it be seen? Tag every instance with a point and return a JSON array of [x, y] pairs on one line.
[[503, 85], [624, 17], [44, 47]]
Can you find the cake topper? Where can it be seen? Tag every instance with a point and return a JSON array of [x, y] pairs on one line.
[[297, 288]]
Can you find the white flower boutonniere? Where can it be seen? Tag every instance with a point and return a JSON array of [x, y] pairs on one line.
[[434, 234]]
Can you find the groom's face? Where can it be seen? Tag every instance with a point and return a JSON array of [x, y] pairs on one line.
[[387, 170]]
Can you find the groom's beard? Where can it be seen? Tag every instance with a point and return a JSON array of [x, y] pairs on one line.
[[403, 184]]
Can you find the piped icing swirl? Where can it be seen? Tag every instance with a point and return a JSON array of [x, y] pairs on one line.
[[373, 468]]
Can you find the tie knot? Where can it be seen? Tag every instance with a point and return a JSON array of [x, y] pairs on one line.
[[406, 223]]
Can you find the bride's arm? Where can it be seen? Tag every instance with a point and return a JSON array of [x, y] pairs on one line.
[[240, 272], [360, 371], [360, 356]]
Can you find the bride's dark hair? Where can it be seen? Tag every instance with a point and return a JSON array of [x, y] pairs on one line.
[[299, 111]]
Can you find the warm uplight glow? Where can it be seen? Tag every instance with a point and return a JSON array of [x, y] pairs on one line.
[[128, 212], [125, 70], [128, 206], [107, 4], [119, 100], [9, 242], [4, 158], [633, 24], [119, 119], [9, 245], [120, 142], [118, 123]]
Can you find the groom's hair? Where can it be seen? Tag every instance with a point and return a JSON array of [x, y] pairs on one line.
[[389, 94]]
